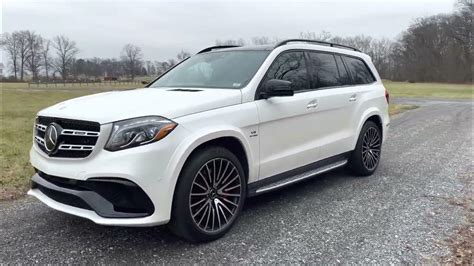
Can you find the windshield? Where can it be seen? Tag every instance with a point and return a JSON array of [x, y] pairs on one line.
[[226, 69]]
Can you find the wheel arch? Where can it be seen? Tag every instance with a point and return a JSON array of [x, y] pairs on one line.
[[231, 138], [370, 115], [377, 120], [231, 143]]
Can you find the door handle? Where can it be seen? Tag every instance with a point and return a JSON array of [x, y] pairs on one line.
[[312, 104], [353, 98]]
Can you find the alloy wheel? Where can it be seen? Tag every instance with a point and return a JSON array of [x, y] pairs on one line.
[[371, 145], [215, 195]]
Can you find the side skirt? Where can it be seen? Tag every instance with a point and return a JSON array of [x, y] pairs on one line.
[[297, 175]]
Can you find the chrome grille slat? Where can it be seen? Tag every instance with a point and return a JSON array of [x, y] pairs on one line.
[[39, 140], [76, 147], [82, 133], [71, 132], [40, 127]]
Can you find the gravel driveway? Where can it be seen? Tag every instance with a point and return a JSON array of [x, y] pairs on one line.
[[402, 214]]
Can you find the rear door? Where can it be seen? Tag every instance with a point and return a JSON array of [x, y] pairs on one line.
[[332, 84], [362, 80]]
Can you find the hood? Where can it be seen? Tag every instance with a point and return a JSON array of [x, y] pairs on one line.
[[119, 105]]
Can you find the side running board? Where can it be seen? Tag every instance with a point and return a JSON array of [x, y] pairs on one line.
[[300, 177]]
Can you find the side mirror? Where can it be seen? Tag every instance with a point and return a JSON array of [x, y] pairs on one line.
[[276, 88], [145, 82]]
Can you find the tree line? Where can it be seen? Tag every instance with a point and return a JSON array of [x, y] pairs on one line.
[[31, 54], [433, 49]]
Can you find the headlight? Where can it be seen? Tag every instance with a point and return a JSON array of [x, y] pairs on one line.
[[138, 131]]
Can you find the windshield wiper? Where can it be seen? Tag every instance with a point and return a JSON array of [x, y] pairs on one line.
[[188, 90]]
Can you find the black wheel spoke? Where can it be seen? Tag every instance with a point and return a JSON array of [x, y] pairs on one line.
[[206, 210], [230, 182], [208, 214], [230, 202], [229, 194], [199, 211], [198, 202], [199, 194], [231, 188], [204, 179]]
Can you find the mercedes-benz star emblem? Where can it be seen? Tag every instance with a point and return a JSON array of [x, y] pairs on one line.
[[51, 137]]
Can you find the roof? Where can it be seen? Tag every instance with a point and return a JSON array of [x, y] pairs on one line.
[[241, 48], [285, 43]]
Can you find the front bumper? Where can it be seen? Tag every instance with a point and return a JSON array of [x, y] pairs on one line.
[[108, 197], [151, 168]]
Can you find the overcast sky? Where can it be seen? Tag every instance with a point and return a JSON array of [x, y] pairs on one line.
[[162, 28]]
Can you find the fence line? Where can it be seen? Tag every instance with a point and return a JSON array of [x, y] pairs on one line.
[[85, 83]]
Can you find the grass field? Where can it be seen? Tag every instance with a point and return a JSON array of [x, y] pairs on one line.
[[20, 103], [429, 90]]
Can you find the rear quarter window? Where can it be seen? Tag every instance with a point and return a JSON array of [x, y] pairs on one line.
[[345, 79], [360, 73]]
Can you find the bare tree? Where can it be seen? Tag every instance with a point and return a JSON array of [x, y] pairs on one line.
[[380, 51], [238, 42], [150, 68], [111, 67], [183, 55], [132, 59], [9, 43], [171, 62], [66, 50], [322, 36], [262, 40], [35, 46], [45, 56], [161, 67], [23, 50], [460, 29]]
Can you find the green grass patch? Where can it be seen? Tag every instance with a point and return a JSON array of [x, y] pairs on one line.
[[429, 90]]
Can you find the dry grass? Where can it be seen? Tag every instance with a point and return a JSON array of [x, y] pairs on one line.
[[398, 108], [461, 243]]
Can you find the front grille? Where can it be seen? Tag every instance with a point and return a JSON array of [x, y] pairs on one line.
[[77, 138]]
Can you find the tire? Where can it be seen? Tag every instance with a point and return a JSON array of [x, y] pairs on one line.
[[365, 158], [212, 209]]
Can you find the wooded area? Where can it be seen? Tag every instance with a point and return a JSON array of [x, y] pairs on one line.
[[433, 49]]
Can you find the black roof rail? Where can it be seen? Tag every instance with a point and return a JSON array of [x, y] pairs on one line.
[[208, 49], [316, 42]]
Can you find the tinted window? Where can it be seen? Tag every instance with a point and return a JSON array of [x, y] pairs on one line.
[[343, 74], [323, 71], [359, 71], [225, 69], [290, 66]]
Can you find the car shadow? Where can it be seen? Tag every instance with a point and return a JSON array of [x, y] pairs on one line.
[[159, 240]]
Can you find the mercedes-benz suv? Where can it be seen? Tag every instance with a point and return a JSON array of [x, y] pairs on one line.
[[223, 125]]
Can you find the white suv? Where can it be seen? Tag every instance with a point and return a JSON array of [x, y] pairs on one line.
[[223, 125]]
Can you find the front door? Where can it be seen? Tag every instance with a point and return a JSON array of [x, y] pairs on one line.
[[289, 126]]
